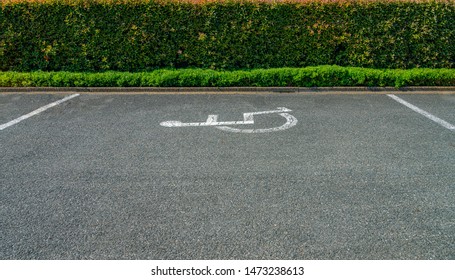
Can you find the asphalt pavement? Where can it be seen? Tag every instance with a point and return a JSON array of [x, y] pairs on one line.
[[311, 176]]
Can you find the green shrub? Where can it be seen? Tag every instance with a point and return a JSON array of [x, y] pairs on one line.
[[321, 76]]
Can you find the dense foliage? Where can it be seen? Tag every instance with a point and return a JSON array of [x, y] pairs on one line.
[[320, 76], [142, 35]]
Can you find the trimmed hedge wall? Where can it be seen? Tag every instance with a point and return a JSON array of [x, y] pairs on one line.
[[144, 35]]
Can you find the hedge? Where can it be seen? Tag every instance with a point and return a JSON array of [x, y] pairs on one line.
[[140, 35], [321, 76]]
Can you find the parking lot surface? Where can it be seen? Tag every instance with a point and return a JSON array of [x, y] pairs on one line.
[[309, 176]]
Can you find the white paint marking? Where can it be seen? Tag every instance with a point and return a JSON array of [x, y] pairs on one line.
[[422, 112], [212, 119], [36, 112], [290, 122], [248, 118]]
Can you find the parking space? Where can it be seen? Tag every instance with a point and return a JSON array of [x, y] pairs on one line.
[[15, 105], [349, 177], [443, 106]]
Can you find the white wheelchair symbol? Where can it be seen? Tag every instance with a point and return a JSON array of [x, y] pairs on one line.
[[248, 119]]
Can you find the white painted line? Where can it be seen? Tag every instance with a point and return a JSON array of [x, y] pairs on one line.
[[36, 112], [211, 121], [422, 112]]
